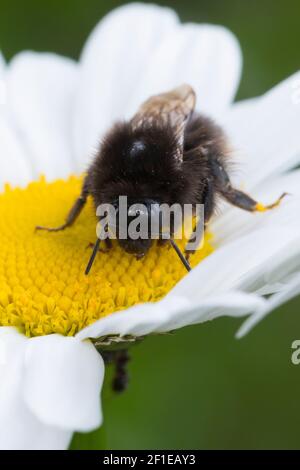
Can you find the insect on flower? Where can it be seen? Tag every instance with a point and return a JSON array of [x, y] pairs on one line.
[[166, 154]]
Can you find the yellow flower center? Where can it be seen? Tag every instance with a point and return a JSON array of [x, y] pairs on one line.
[[43, 288]]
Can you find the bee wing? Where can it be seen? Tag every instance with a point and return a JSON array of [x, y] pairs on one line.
[[173, 108]]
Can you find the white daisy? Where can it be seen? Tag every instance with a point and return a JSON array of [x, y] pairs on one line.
[[53, 112]]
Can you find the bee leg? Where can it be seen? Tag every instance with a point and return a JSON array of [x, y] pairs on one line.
[[236, 197], [164, 239], [102, 250], [180, 255], [188, 254], [72, 215], [120, 360], [108, 243], [108, 246], [120, 381], [199, 228], [243, 201], [193, 238]]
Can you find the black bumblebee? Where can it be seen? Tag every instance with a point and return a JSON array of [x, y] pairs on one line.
[[167, 153]]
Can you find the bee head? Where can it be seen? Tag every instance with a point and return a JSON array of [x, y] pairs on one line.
[[136, 224]]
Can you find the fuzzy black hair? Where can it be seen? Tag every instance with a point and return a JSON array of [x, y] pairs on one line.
[[139, 163], [142, 163]]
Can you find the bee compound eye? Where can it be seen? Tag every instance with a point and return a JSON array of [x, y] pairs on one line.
[[138, 210]]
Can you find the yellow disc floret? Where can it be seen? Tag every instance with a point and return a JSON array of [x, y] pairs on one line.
[[43, 288]]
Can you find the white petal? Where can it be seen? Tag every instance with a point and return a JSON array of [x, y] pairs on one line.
[[265, 133], [290, 291], [19, 428], [40, 89], [223, 270], [262, 261], [63, 380], [207, 57], [171, 313], [112, 63], [234, 222], [15, 167], [236, 225], [12, 347], [275, 275], [231, 304]]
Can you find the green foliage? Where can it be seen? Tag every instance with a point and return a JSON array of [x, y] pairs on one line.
[[267, 29]]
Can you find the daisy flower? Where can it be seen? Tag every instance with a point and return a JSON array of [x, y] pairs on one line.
[[53, 112]]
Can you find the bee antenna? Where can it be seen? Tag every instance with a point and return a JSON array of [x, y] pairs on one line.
[[180, 255], [93, 256]]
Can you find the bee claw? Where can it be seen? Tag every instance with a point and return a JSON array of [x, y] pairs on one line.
[[39, 227], [262, 208]]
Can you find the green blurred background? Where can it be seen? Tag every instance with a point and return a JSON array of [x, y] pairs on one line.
[[198, 388]]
